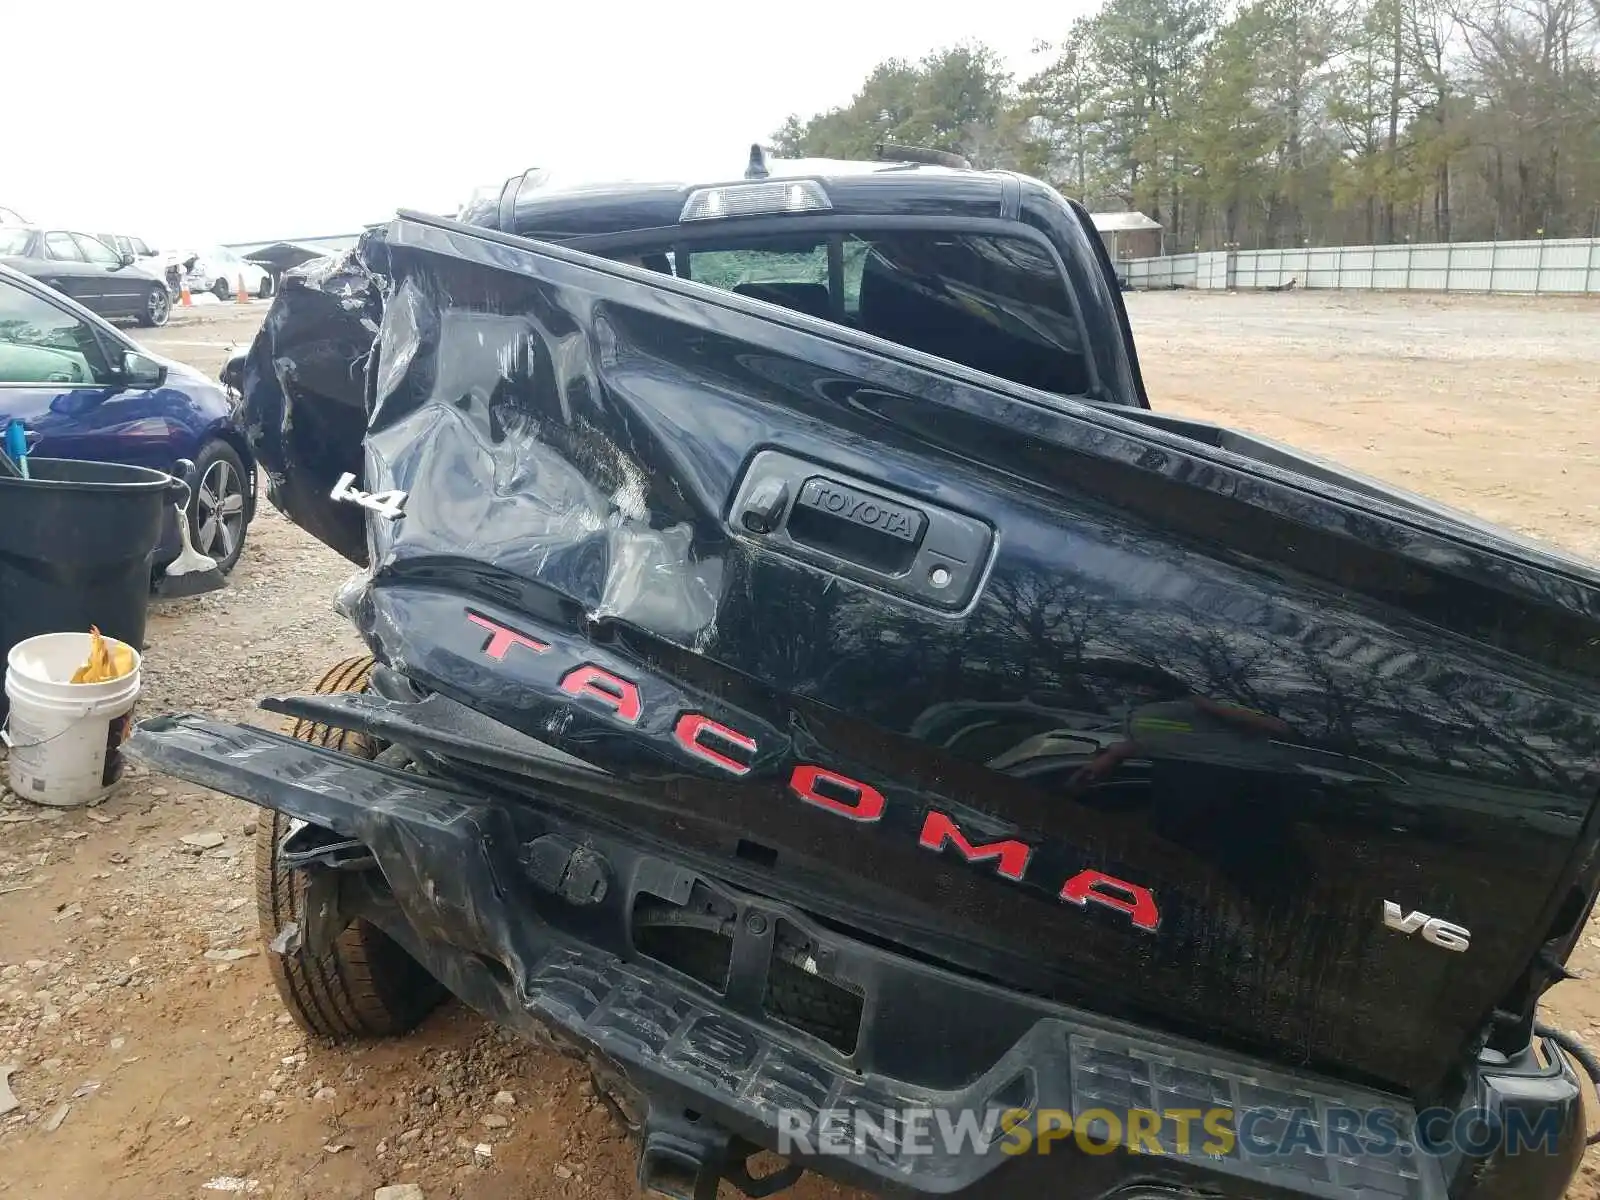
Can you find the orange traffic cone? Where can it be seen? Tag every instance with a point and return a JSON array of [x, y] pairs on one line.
[[242, 296], [184, 299]]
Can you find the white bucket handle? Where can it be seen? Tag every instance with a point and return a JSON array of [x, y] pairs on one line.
[[5, 731]]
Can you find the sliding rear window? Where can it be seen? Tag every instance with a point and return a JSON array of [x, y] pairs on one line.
[[991, 302]]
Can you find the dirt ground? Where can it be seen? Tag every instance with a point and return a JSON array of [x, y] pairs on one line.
[[151, 1064]]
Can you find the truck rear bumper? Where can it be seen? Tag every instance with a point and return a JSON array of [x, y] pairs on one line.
[[862, 1064]]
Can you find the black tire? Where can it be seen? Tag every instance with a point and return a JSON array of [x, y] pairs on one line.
[[219, 470], [220, 288], [157, 309], [365, 985], [265, 289]]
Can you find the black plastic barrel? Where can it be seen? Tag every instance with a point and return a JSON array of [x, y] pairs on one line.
[[76, 542]]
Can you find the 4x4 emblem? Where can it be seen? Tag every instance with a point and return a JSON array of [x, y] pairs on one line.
[[388, 504]]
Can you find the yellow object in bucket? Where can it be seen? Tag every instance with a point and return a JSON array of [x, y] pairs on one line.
[[103, 665]]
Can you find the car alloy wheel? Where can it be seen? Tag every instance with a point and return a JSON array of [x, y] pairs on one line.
[[158, 307], [219, 511]]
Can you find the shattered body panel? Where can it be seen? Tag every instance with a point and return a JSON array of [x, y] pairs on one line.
[[304, 379], [1111, 719]]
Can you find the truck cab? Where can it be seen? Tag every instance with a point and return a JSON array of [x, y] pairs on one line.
[[990, 269]]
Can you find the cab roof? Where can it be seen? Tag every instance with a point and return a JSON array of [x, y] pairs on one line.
[[544, 205]]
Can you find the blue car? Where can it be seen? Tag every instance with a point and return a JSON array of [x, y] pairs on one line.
[[86, 390]]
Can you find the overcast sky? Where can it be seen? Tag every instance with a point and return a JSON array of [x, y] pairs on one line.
[[189, 122]]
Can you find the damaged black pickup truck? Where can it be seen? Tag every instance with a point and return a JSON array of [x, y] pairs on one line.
[[810, 684]]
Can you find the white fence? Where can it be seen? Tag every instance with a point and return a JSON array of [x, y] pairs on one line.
[[1566, 266]]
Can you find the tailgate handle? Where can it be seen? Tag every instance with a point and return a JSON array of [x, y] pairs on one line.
[[862, 530], [867, 529]]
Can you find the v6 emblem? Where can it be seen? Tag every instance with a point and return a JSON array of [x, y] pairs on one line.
[[1434, 931], [387, 504]]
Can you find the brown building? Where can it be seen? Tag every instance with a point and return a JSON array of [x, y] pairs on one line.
[[1129, 235]]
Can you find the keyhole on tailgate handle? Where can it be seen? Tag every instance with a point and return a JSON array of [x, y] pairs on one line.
[[939, 577], [765, 506]]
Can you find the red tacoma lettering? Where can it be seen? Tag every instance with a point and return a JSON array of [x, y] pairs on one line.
[[693, 727], [716, 743], [502, 638], [1136, 901], [939, 831], [861, 802], [615, 692]]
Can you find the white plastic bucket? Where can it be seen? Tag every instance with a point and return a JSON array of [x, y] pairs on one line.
[[64, 737]]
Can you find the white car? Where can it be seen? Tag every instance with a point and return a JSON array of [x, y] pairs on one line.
[[144, 257], [218, 269]]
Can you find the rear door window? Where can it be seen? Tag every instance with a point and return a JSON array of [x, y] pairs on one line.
[[62, 248], [996, 303]]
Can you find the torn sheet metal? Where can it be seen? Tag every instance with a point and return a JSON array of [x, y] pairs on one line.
[[305, 397]]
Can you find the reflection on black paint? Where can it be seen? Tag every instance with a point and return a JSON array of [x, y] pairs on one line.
[[1169, 673]]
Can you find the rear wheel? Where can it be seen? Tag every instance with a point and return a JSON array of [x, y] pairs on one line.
[[265, 289], [364, 985], [220, 288], [157, 308]]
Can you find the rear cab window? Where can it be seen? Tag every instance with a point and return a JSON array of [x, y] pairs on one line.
[[993, 302]]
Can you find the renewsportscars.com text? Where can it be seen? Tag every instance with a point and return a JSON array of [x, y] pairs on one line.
[[1254, 1133]]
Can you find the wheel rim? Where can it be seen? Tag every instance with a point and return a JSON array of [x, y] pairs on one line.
[[219, 511], [158, 307]]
